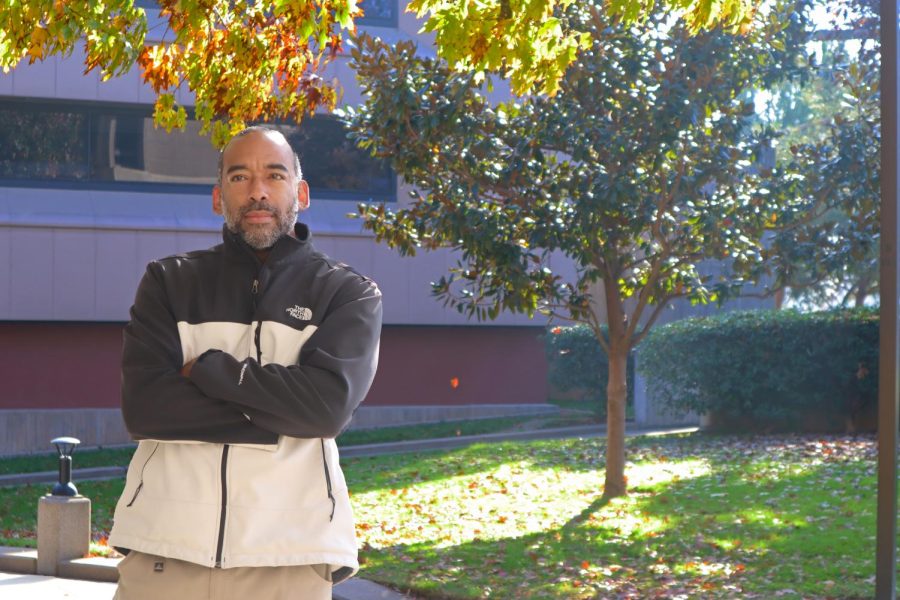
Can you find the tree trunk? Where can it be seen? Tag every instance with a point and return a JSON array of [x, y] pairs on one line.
[[779, 299], [861, 292], [616, 393]]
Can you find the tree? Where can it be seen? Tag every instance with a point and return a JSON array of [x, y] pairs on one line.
[[249, 61], [638, 170], [829, 255], [244, 61], [528, 42]]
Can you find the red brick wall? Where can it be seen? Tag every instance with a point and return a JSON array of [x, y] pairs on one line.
[[53, 365]]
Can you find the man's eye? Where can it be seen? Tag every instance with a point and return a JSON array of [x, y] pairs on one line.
[[238, 178], [277, 175]]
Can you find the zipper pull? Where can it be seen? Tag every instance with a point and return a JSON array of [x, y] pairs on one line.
[[255, 288]]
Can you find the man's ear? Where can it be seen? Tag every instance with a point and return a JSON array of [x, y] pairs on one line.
[[303, 195], [217, 200]]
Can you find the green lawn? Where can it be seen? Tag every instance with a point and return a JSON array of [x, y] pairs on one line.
[[710, 517]]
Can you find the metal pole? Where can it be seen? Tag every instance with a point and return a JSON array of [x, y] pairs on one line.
[[888, 392]]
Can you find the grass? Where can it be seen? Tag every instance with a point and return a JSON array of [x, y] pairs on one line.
[[785, 517], [712, 517]]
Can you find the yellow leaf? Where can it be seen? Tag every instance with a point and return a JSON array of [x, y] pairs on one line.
[[38, 36]]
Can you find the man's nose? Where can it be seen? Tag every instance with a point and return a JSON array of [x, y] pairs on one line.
[[258, 189]]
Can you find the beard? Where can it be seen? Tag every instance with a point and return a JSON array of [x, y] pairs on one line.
[[261, 236]]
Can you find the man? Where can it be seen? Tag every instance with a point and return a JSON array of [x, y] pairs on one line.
[[240, 365]]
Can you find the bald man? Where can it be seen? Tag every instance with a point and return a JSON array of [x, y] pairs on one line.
[[240, 365]]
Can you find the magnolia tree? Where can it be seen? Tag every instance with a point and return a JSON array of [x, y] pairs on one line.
[[829, 255], [263, 60], [641, 167]]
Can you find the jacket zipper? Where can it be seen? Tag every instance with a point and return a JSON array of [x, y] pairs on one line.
[[328, 480], [140, 486], [255, 291], [221, 541]]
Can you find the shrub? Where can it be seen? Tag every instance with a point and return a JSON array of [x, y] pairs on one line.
[[577, 363], [777, 368]]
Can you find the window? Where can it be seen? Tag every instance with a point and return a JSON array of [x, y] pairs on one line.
[[382, 13], [105, 146]]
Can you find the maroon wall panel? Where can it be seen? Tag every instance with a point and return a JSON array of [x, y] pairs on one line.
[[491, 365], [53, 365], [60, 365]]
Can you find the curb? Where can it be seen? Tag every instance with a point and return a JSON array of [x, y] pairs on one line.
[[87, 474]]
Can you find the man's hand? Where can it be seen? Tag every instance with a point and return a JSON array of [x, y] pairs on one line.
[[186, 369]]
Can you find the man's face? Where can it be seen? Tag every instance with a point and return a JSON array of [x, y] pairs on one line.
[[259, 193]]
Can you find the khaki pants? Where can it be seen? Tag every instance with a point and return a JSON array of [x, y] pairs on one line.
[[148, 577]]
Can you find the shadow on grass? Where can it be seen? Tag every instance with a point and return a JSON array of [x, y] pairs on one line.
[[725, 534]]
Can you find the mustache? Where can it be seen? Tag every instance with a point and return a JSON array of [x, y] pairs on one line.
[[258, 206]]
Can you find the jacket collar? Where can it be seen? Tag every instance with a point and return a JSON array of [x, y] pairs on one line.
[[284, 247]]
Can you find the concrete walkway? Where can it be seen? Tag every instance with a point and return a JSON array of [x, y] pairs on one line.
[[16, 586]]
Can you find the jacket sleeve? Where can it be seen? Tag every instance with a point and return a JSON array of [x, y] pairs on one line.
[[317, 396], [157, 401]]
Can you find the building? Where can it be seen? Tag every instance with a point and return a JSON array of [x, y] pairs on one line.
[[90, 192]]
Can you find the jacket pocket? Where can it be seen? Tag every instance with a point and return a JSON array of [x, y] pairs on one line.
[[140, 486], [328, 485]]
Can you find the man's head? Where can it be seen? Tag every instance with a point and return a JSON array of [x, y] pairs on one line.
[[260, 189]]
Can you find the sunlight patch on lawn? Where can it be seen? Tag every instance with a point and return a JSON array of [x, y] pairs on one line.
[[512, 500]]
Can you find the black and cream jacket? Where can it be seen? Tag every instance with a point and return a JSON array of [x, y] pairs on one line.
[[237, 465]]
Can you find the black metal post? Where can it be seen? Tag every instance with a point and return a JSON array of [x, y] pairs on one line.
[[65, 446], [888, 392]]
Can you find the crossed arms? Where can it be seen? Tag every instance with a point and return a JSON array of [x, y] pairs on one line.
[[217, 398]]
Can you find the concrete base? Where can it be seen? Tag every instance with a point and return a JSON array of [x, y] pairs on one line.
[[90, 569], [373, 417], [25, 560], [18, 560], [64, 531]]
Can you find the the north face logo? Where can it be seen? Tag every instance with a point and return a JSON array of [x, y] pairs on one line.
[[299, 312]]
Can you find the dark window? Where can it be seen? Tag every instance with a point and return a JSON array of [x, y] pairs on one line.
[[105, 146], [331, 162], [379, 12], [382, 13]]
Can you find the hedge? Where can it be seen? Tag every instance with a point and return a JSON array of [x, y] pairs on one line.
[[774, 369], [577, 363]]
